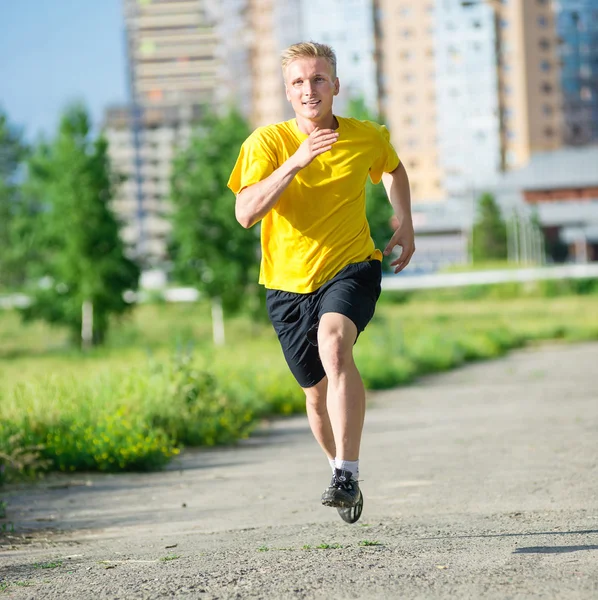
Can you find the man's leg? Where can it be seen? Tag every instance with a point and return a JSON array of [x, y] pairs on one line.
[[346, 394], [317, 415]]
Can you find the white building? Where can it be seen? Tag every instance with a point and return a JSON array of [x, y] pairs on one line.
[[467, 97]]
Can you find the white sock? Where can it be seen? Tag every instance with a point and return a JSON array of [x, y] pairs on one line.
[[332, 465], [348, 465]]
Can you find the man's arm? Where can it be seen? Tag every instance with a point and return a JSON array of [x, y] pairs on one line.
[[396, 184], [256, 201]]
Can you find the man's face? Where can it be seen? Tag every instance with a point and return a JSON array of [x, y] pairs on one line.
[[311, 87]]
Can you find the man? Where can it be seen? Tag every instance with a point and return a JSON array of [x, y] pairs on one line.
[[304, 179]]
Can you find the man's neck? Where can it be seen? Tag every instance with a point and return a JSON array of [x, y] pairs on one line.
[[307, 125]]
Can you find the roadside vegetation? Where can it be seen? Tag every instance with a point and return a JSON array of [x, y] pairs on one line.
[[159, 384]]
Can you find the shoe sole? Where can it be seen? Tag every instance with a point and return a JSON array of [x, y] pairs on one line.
[[351, 515], [337, 503], [340, 503]]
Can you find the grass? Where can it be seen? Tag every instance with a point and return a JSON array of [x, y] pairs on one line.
[[369, 543], [325, 546], [160, 385], [170, 557], [48, 565]]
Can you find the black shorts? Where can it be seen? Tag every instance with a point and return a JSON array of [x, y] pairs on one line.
[[353, 292]]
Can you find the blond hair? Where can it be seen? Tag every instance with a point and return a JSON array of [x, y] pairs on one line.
[[309, 50]]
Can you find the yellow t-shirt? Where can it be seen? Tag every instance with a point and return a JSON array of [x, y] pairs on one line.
[[318, 225]]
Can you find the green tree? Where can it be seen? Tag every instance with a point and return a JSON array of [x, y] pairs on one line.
[[14, 247], [83, 265], [378, 209], [211, 251], [489, 235]]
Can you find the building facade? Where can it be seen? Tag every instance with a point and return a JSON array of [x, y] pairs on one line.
[[184, 57], [469, 88], [577, 28], [407, 86]]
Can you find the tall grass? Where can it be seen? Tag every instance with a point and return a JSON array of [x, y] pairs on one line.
[[160, 385]]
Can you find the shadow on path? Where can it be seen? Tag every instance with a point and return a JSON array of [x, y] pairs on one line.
[[500, 535], [552, 549]]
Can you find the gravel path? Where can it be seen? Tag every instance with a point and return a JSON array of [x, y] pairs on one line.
[[480, 483]]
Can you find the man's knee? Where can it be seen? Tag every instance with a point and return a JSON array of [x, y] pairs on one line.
[[336, 337]]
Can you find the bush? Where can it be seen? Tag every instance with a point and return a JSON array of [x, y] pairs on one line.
[[109, 419]]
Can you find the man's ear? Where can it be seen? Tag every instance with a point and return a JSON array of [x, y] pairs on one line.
[[286, 91], [337, 86]]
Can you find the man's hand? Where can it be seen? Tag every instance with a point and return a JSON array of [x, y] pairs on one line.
[[318, 142], [404, 236]]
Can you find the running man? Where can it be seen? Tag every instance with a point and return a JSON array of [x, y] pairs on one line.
[[304, 179]]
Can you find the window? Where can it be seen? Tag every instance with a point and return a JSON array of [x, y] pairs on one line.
[[545, 66], [542, 21], [586, 93], [549, 132], [547, 109], [544, 44], [546, 87]]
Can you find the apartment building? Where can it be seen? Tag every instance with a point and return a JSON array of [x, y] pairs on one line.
[[142, 151], [577, 28], [184, 57], [469, 88], [408, 101]]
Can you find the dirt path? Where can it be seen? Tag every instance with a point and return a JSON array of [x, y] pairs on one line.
[[481, 483]]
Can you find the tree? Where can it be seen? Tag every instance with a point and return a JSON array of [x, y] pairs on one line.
[[83, 265], [489, 234], [14, 248], [378, 209], [211, 251]]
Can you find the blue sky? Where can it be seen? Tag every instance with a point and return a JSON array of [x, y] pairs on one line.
[[56, 51]]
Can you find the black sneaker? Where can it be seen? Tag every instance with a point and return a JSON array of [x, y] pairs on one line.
[[343, 491]]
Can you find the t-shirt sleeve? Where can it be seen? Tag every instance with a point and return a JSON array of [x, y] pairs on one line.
[[255, 162], [387, 159]]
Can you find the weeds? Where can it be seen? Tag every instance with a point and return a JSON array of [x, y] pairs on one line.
[[48, 565], [125, 412], [369, 543]]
